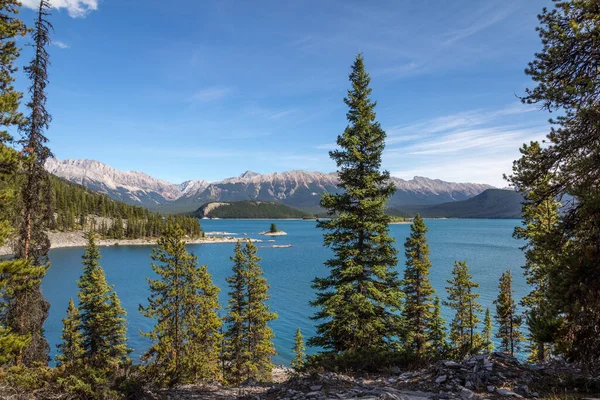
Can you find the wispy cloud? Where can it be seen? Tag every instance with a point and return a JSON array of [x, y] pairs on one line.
[[211, 94], [60, 45], [267, 113], [484, 19], [75, 8], [476, 146]]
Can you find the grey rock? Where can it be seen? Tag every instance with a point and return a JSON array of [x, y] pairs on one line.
[[452, 364], [316, 388], [467, 394], [491, 389], [508, 393], [441, 379]]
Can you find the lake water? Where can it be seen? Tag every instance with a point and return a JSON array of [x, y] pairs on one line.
[[486, 245]]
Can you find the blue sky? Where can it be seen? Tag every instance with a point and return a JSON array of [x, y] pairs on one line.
[[193, 89]]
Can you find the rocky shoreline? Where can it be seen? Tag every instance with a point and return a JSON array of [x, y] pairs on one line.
[[278, 233], [493, 376], [77, 239]]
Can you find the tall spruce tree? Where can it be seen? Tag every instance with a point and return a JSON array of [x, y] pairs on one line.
[[27, 308], [509, 321], [299, 351], [464, 338], [565, 75], [186, 339], [11, 27], [70, 350], [418, 308], [11, 343], [360, 299], [103, 324], [248, 348], [438, 345], [541, 227], [488, 343]]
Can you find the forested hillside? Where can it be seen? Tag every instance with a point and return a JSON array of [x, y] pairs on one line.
[[248, 209], [76, 207], [492, 203]]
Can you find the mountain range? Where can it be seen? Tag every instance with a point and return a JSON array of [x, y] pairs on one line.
[[300, 189]]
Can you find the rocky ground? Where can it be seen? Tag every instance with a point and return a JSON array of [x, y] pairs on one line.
[[492, 376]]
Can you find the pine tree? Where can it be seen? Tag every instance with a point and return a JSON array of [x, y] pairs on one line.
[[541, 224], [565, 77], [103, 324], [70, 350], [24, 308], [463, 300], [360, 299], [438, 346], [417, 288], [488, 343], [248, 339], [299, 351], [509, 322], [186, 339]]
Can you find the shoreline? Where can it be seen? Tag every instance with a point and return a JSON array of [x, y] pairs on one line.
[[63, 240]]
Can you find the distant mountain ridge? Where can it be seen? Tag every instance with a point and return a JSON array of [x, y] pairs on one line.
[[299, 189], [492, 203]]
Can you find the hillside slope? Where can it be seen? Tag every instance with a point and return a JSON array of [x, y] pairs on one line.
[[492, 203], [248, 209]]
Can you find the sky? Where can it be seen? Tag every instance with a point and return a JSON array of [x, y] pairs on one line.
[[193, 89]]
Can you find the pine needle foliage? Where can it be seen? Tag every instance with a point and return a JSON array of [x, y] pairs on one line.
[[565, 79], [248, 348], [418, 306], [186, 338], [103, 323], [299, 351], [26, 308], [360, 300], [464, 338], [70, 350], [488, 343], [437, 338], [509, 321]]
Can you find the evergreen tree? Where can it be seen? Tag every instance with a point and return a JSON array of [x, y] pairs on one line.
[[103, 324], [299, 351], [11, 343], [27, 309], [418, 308], [70, 350], [488, 344], [509, 322], [360, 299], [273, 228], [463, 300], [186, 339], [438, 346], [541, 224], [248, 338], [565, 75]]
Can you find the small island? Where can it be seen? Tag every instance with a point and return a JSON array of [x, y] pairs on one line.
[[273, 231]]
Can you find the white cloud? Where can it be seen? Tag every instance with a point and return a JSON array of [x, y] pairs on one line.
[[211, 94], [75, 8], [473, 146], [59, 44]]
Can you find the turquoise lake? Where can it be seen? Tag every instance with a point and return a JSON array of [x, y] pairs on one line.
[[486, 245]]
